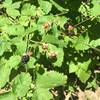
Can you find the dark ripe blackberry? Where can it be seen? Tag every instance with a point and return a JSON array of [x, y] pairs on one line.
[[25, 58]]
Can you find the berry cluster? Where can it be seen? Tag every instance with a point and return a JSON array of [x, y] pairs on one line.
[[25, 58]]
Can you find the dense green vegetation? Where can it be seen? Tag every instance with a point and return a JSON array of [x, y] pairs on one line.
[[48, 48]]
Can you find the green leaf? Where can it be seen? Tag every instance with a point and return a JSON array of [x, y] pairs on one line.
[[45, 6], [51, 79], [42, 94], [24, 20], [82, 72], [16, 5], [31, 29], [60, 55], [83, 75], [95, 10], [8, 96], [4, 21], [84, 9], [21, 84], [55, 30], [95, 43], [72, 67], [7, 3], [19, 30], [58, 6], [21, 45], [84, 65], [31, 62], [61, 21], [39, 12], [28, 10], [4, 46], [81, 42], [92, 83], [5, 72], [14, 61], [14, 30], [13, 12], [54, 40], [45, 19]]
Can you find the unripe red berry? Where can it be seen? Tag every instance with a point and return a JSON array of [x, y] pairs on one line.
[[45, 46], [70, 27], [46, 25], [29, 53], [52, 54]]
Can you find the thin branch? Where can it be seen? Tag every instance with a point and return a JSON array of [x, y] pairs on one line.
[[27, 42], [94, 48], [82, 22], [85, 21], [36, 42], [63, 13]]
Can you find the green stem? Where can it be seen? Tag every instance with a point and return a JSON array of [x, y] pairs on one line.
[[27, 42], [94, 48], [82, 22], [58, 6], [36, 42], [61, 13]]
